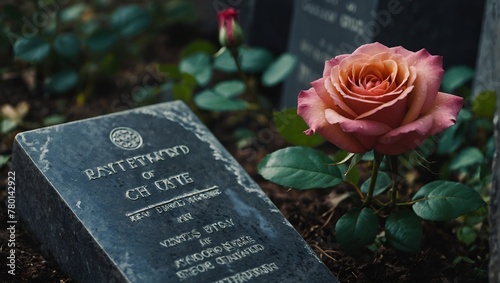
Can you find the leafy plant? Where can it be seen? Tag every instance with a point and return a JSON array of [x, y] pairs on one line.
[[466, 150], [80, 42]]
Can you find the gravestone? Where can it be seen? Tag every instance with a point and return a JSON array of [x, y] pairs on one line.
[[150, 195], [323, 29], [265, 23], [487, 70]]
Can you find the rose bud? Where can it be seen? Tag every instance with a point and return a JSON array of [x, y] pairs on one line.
[[230, 33]]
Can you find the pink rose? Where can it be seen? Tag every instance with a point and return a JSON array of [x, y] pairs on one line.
[[380, 98]]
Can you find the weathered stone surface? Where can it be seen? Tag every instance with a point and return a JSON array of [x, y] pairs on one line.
[[150, 195]]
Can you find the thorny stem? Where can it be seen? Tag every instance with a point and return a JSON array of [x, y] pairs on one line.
[[373, 179]]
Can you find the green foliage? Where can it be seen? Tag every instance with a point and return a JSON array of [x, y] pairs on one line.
[[356, 229], [445, 200], [466, 234], [456, 77], [467, 148], [54, 120], [279, 70], [32, 50], [291, 127], [230, 88], [403, 230], [210, 100], [198, 46], [67, 45], [381, 185], [130, 20], [466, 158], [180, 11], [484, 104], [90, 39], [253, 60], [199, 66], [101, 41], [62, 81], [300, 167]]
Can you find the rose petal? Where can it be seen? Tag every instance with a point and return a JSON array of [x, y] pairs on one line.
[[329, 64], [391, 112], [322, 92], [371, 49], [429, 72], [312, 108], [362, 127], [431, 67], [335, 135], [405, 138], [444, 111]]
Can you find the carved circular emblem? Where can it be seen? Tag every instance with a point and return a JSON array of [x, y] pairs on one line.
[[125, 138]]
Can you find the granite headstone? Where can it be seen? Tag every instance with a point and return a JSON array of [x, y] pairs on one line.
[[323, 29], [266, 23], [150, 195], [487, 78]]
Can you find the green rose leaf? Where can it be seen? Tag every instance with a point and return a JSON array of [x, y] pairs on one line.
[[468, 157], [211, 100], [456, 77], [291, 127], [300, 167], [489, 149], [67, 44], [8, 125], [445, 200], [171, 71], [403, 230], [253, 60], [63, 81], [230, 88], [32, 50], [279, 70], [356, 229], [383, 182], [4, 159], [182, 92], [466, 235], [101, 41], [130, 20], [73, 12], [199, 66], [198, 46], [449, 141], [484, 104]]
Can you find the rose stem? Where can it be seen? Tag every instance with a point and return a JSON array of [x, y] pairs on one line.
[[373, 180], [393, 165], [234, 53]]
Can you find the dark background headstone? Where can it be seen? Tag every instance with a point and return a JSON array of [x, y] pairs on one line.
[[322, 29], [488, 78], [266, 23], [150, 195]]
